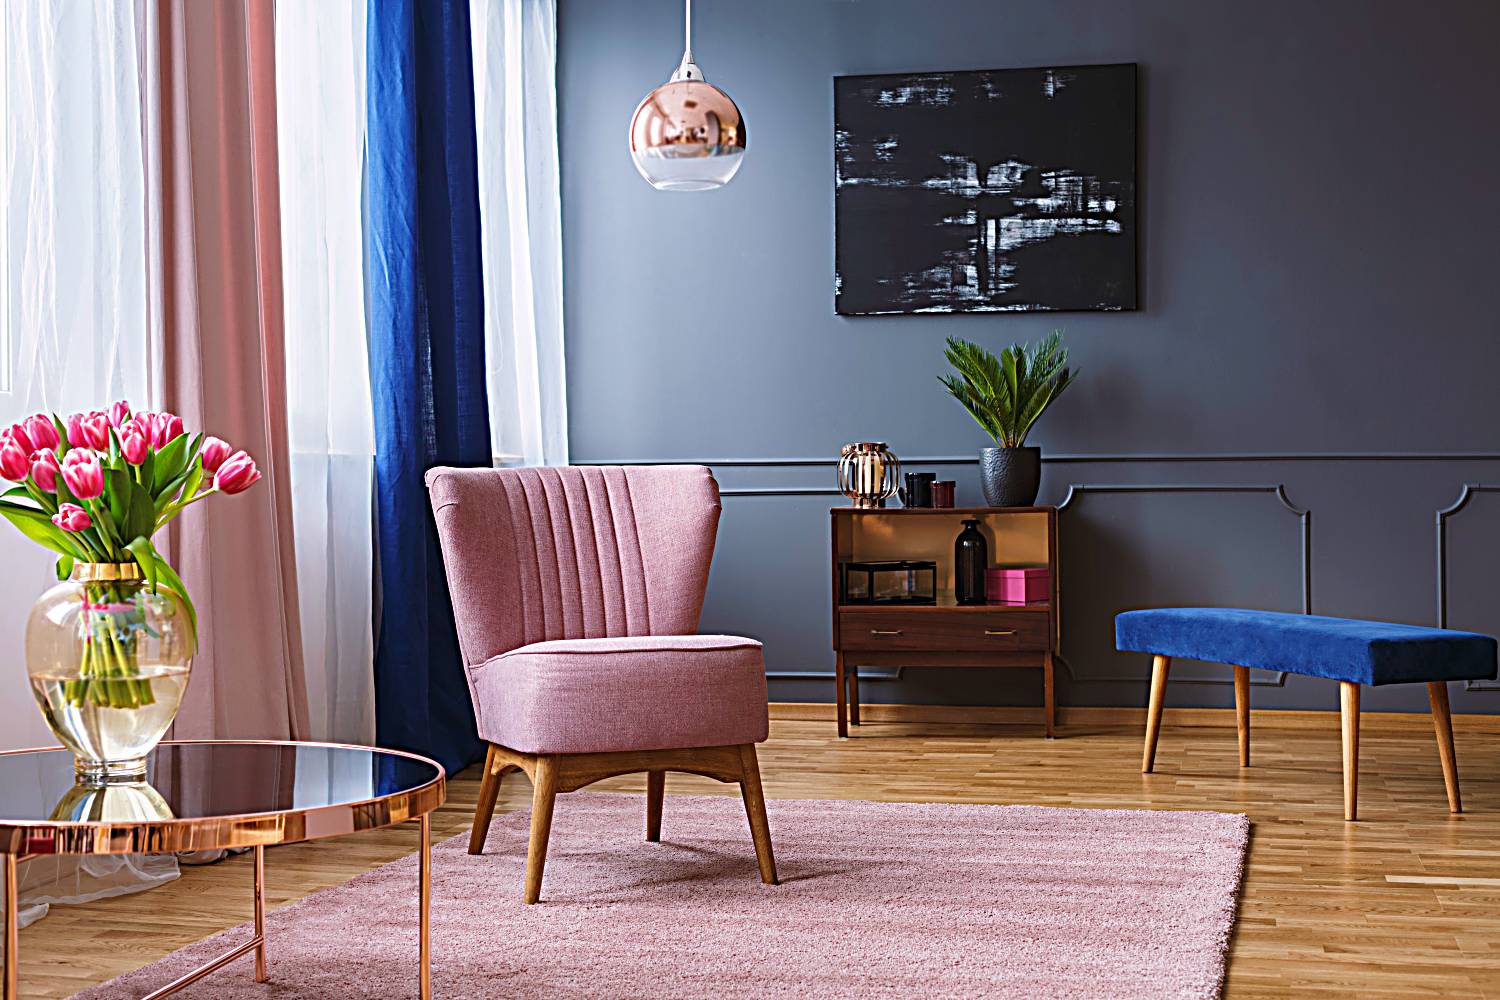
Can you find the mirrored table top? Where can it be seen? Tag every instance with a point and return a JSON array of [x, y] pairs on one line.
[[205, 795]]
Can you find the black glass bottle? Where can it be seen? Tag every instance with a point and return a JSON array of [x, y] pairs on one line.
[[971, 558]]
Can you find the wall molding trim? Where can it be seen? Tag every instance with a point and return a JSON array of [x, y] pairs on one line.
[[1068, 458], [1465, 495], [1084, 715], [1061, 458], [1278, 490]]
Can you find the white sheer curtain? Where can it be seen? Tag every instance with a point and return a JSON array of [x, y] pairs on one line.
[[520, 213], [77, 306], [320, 84], [320, 50]]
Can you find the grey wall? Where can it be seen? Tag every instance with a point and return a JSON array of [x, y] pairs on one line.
[[1319, 214]]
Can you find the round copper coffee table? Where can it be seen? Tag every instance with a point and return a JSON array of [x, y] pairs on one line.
[[206, 795]]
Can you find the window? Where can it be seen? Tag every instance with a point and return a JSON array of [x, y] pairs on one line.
[[5, 348]]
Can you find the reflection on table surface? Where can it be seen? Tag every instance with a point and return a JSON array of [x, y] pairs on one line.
[[133, 802], [201, 780]]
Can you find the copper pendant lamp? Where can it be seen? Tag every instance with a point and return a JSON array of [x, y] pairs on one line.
[[687, 135]]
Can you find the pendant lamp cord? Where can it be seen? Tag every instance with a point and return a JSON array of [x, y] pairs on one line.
[[687, 31]]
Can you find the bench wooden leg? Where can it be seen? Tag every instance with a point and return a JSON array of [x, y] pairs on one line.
[[1349, 711], [1442, 721], [1160, 665], [1242, 711]]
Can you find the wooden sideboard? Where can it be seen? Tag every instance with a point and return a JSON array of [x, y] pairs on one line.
[[946, 634]]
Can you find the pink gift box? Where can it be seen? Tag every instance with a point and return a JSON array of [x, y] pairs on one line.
[[1016, 585]]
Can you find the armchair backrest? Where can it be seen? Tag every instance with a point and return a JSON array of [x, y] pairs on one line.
[[573, 552]]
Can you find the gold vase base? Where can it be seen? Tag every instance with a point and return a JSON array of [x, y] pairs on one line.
[[109, 772]]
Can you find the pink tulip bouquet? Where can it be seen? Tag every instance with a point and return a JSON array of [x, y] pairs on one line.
[[94, 488]]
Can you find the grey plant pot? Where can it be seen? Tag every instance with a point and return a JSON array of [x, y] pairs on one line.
[[1010, 477]]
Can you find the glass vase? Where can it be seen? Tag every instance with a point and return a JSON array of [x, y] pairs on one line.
[[109, 661]]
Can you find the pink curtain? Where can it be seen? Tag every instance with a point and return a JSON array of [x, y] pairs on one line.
[[224, 363]]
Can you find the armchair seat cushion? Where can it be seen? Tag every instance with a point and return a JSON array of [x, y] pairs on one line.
[[627, 693]]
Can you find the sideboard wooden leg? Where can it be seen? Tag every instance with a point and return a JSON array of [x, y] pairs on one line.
[[1442, 722], [1160, 666], [1242, 711], [839, 695], [853, 673], [1049, 702], [1349, 711]]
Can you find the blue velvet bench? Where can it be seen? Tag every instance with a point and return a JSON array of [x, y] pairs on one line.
[[1349, 651]]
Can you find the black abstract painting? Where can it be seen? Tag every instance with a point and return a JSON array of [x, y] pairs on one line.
[[994, 191]]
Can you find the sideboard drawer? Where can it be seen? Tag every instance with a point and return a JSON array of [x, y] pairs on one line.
[[945, 628]]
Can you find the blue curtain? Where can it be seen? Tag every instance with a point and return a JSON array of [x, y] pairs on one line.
[[427, 375]]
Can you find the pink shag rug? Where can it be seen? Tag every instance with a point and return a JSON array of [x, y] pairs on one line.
[[876, 900]]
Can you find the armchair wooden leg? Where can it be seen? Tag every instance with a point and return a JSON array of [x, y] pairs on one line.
[[1442, 722], [755, 811], [489, 788], [543, 797], [1349, 712], [1160, 666], [656, 790], [1242, 711]]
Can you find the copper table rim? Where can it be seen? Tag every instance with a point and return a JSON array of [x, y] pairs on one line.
[[33, 838]]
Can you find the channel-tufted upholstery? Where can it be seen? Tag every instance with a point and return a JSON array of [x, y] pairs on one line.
[[552, 570]]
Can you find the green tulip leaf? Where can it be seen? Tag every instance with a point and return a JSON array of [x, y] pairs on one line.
[[141, 521], [173, 583], [119, 493], [35, 526], [145, 556], [170, 463]]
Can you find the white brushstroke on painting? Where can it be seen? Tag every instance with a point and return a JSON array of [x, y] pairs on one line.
[[1055, 81], [930, 92], [1070, 204]]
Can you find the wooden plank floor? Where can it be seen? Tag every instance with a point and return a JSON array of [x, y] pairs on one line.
[[1405, 903]]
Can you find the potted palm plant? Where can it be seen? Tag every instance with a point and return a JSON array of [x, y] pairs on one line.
[[1006, 396]]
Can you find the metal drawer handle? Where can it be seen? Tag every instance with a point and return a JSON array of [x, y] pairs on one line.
[[876, 631], [1002, 631]]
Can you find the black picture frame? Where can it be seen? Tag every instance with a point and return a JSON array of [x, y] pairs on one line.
[[980, 191]]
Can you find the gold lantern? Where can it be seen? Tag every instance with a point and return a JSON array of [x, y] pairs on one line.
[[868, 473]]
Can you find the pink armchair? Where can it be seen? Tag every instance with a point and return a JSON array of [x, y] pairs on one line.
[[576, 592]]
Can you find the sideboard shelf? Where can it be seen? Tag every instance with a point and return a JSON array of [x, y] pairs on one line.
[[945, 634], [940, 607]]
